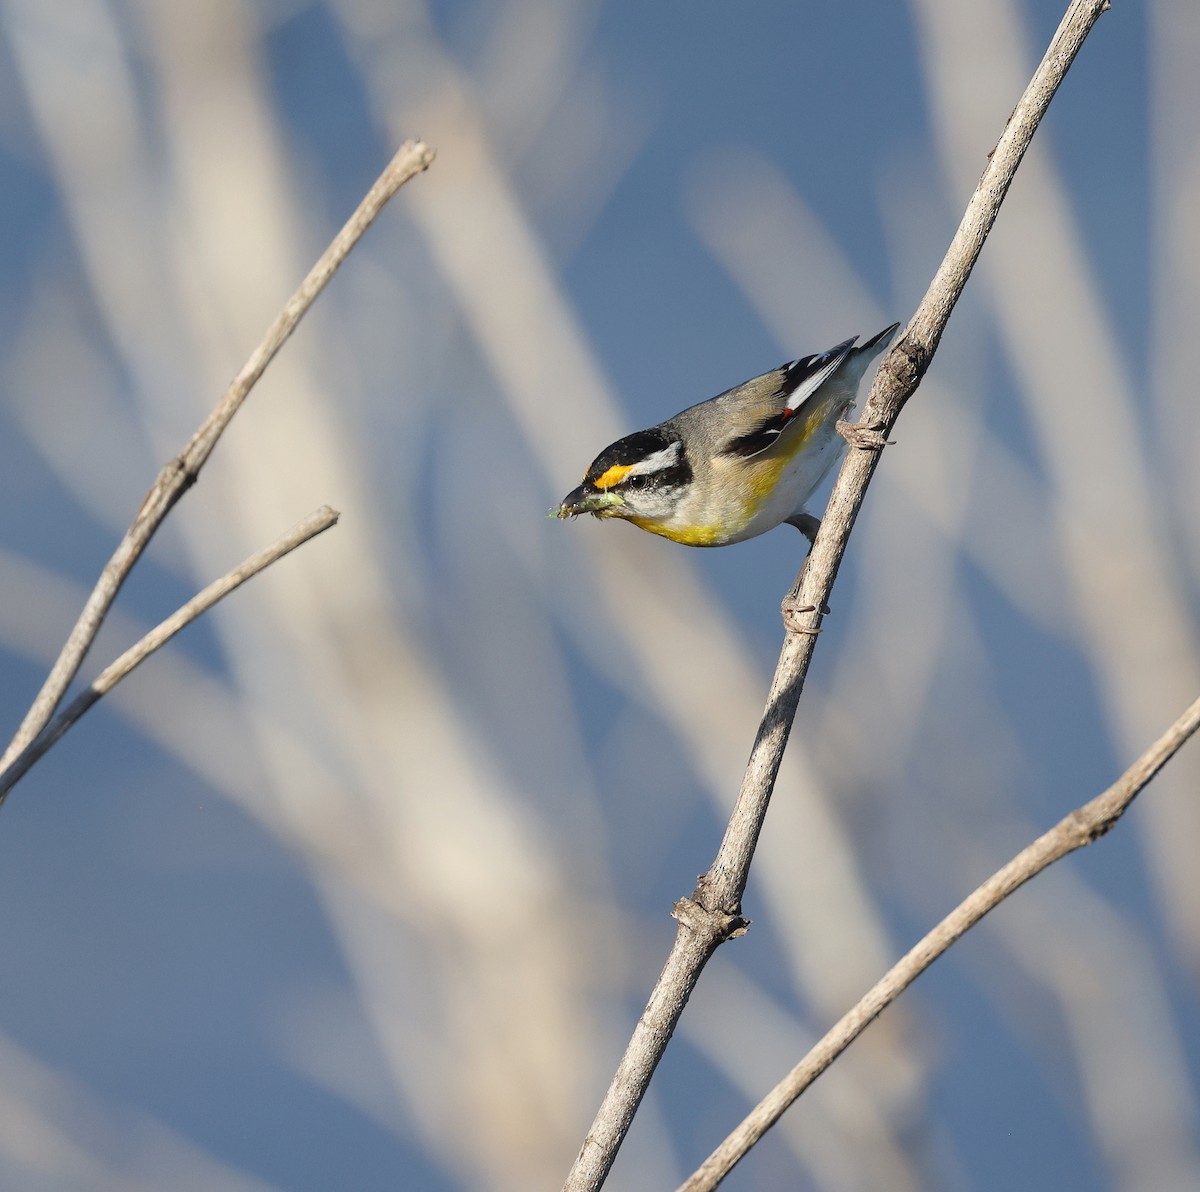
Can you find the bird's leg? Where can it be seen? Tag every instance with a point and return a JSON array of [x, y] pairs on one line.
[[791, 606], [807, 525]]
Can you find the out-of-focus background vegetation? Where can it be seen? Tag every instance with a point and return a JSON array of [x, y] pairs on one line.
[[362, 883]]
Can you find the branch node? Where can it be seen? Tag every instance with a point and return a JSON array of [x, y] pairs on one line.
[[712, 924], [1088, 827]]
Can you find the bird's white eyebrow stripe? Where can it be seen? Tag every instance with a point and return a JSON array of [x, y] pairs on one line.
[[665, 458]]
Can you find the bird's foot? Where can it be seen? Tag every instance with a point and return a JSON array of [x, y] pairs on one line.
[[795, 613], [868, 438]]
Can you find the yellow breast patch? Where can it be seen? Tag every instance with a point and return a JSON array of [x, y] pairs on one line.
[[687, 536]]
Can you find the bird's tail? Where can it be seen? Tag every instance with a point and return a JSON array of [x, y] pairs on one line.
[[861, 356], [877, 343]]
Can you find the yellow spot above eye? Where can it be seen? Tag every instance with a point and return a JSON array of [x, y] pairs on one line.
[[613, 475]]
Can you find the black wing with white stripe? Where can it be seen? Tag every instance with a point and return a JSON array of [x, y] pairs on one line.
[[798, 382]]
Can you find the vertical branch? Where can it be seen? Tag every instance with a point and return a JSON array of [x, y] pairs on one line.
[[713, 913]]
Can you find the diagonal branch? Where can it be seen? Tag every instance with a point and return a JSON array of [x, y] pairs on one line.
[[162, 633], [713, 913], [1085, 825], [180, 474]]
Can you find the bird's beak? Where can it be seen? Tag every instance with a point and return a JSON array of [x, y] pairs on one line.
[[586, 500]]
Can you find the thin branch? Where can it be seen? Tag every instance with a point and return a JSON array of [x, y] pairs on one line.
[[1082, 827], [713, 913], [112, 674], [180, 474]]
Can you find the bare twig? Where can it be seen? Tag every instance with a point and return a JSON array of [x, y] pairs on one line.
[[112, 674], [713, 913], [1082, 827], [180, 474]]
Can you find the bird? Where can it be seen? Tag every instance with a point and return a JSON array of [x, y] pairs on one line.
[[737, 465]]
